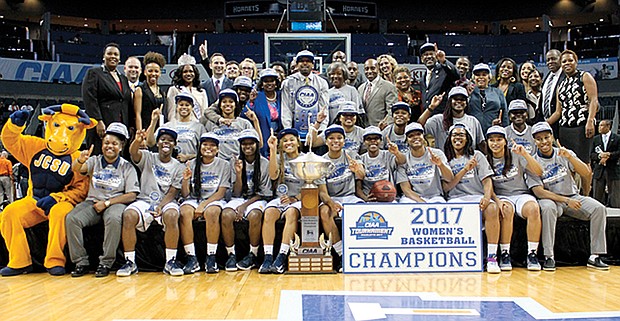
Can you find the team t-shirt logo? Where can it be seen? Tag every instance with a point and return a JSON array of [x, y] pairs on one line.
[[554, 173], [107, 180], [421, 172], [523, 142], [185, 135], [499, 168], [209, 182], [163, 177], [376, 173], [458, 167]]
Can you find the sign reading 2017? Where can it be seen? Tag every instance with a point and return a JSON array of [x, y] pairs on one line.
[[412, 238], [432, 215]]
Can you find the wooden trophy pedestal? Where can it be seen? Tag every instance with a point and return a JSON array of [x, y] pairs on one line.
[[303, 263], [310, 257]]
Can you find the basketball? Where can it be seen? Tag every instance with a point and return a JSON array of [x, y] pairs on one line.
[[384, 191]]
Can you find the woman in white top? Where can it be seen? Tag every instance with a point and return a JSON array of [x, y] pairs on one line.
[[186, 79]]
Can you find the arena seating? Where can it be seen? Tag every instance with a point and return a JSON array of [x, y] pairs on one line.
[[15, 42], [71, 46]]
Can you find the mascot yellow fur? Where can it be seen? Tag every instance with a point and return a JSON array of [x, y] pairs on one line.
[[53, 188]]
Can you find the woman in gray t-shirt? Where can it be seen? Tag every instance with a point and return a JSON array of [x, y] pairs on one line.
[[510, 171], [472, 183], [205, 182], [113, 184], [287, 203]]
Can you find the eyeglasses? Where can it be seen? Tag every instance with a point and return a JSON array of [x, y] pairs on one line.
[[339, 57]]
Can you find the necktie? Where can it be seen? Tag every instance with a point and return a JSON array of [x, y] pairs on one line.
[[605, 140], [217, 87], [367, 93], [547, 101], [429, 75]]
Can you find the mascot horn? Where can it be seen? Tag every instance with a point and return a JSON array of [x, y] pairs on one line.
[[53, 188]]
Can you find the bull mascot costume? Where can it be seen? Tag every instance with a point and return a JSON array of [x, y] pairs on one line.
[[53, 188]]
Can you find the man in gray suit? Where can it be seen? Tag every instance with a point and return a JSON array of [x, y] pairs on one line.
[[378, 96]]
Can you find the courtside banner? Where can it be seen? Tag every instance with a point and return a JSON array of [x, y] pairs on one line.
[[396, 238]]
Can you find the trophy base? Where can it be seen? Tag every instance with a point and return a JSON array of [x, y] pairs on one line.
[[310, 264]]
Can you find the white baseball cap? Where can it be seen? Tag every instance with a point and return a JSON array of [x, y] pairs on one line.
[[118, 129]]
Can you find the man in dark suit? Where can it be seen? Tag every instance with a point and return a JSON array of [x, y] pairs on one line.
[[441, 75], [107, 96], [547, 101], [218, 81], [606, 171], [378, 96]]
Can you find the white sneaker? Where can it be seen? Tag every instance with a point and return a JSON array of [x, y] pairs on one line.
[[173, 267], [492, 266], [129, 268]]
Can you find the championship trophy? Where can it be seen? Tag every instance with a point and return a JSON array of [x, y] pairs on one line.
[[313, 255]]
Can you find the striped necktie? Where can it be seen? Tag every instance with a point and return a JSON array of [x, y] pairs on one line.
[[547, 101]]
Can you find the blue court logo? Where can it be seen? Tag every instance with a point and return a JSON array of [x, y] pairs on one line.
[[371, 225]]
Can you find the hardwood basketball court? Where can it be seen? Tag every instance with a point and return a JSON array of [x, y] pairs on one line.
[[249, 295]]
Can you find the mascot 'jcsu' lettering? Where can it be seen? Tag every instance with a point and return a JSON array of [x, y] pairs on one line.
[[55, 165]]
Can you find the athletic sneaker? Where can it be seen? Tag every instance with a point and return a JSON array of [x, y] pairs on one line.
[[248, 262], [129, 268], [173, 267], [504, 262], [265, 268], [279, 265], [192, 265], [532, 262], [231, 263], [549, 264], [211, 265], [492, 266]]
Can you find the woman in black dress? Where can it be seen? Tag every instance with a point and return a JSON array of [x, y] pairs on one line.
[[148, 96]]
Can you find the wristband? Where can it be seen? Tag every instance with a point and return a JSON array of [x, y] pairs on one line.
[[81, 163]]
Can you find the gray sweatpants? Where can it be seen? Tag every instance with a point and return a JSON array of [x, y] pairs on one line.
[[7, 188], [83, 215], [591, 210]]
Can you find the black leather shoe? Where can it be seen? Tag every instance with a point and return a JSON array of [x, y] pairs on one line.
[[598, 264], [102, 271], [80, 270]]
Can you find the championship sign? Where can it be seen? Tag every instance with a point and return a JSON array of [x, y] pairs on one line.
[[396, 238]]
